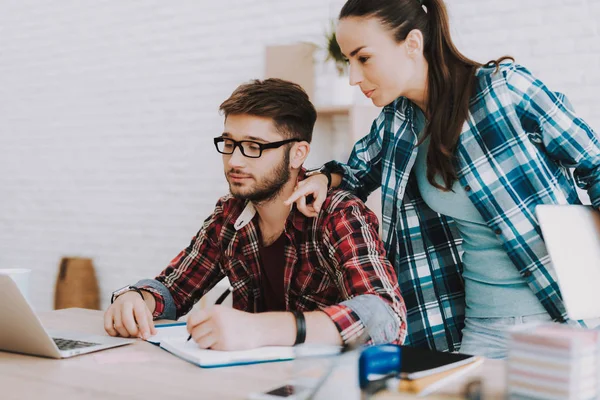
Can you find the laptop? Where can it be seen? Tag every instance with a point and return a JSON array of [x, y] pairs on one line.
[[572, 236], [22, 332]]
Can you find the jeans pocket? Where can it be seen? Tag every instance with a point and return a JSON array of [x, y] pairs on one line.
[[489, 325], [486, 336], [542, 317]]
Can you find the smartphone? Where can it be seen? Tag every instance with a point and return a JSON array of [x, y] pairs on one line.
[[289, 391]]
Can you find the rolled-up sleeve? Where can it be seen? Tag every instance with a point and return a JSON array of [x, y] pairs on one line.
[[368, 314], [373, 303], [165, 305]]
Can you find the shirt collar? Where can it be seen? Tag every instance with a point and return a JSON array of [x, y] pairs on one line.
[[245, 217]]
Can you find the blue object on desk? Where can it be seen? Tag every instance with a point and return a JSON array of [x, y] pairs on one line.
[[383, 361], [170, 324]]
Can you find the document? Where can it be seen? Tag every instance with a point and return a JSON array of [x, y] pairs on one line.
[[166, 331], [190, 351]]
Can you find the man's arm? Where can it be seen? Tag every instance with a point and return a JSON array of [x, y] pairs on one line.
[[225, 328], [364, 275], [173, 293]]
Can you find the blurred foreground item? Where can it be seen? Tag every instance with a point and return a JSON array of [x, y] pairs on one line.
[[76, 284], [554, 361]]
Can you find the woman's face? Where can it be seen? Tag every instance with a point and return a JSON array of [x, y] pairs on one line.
[[383, 68]]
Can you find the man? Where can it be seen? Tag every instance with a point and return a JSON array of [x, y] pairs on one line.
[[320, 280]]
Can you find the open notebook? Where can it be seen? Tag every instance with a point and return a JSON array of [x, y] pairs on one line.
[[173, 338]]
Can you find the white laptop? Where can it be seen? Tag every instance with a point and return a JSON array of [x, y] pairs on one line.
[[572, 236], [22, 332]]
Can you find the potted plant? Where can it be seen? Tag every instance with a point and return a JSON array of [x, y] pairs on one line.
[[340, 91], [334, 53]]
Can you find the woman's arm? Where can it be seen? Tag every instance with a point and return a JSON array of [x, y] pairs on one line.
[[566, 137], [361, 175]]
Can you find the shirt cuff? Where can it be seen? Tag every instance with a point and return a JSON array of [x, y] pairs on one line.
[[594, 194], [346, 321], [348, 180], [165, 305], [365, 312]]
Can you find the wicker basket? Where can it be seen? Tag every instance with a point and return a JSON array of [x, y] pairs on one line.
[[76, 284]]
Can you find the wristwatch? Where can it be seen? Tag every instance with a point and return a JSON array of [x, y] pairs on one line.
[[123, 290], [321, 170]]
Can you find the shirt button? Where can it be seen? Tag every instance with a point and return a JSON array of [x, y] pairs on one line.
[[467, 188], [498, 231], [527, 274]]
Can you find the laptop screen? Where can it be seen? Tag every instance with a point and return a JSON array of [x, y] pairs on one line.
[[572, 237]]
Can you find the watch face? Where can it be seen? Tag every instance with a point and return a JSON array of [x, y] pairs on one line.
[[120, 291], [314, 171]]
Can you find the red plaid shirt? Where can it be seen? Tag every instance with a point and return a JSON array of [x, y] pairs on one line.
[[332, 258]]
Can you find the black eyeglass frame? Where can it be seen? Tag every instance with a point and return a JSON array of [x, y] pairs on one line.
[[261, 146]]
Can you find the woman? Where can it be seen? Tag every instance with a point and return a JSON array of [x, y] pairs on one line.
[[463, 153]]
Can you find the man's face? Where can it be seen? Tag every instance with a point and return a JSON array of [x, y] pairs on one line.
[[255, 179]]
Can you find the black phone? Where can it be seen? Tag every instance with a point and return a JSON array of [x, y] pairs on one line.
[[288, 391]]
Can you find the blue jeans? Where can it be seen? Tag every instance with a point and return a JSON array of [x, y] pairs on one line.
[[488, 336]]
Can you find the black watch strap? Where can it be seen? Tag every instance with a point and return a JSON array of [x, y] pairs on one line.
[[321, 170], [300, 327], [326, 172]]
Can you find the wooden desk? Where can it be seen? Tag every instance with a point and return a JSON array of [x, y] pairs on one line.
[[144, 371]]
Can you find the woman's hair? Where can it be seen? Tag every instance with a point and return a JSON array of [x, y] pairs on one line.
[[451, 75], [286, 103]]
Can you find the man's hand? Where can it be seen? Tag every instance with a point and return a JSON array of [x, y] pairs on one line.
[[225, 328], [129, 316]]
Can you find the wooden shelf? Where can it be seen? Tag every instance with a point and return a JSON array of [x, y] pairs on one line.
[[360, 116]]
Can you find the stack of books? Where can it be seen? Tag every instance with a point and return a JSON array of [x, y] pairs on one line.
[[554, 361]]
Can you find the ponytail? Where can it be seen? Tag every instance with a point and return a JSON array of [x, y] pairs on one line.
[[451, 79]]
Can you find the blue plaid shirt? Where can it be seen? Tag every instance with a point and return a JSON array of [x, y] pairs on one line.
[[516, 150]]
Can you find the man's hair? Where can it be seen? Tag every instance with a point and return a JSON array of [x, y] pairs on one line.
[[286, 103]]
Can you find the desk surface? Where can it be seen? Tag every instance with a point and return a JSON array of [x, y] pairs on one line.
[[144, 371]]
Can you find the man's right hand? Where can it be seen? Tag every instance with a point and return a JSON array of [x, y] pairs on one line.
[[129, 316]]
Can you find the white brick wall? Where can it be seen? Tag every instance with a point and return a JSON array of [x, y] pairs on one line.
[[108, 108]]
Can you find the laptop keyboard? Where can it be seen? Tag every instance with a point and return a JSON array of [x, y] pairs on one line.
[[67, 344]]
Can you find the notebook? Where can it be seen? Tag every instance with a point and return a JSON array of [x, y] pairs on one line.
[[428, 384], [420, 362], [173, 338]]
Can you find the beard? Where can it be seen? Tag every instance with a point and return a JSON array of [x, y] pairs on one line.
[[268, 187]]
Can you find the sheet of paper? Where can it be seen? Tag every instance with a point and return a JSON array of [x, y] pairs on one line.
[[170, 331], [191, 351]]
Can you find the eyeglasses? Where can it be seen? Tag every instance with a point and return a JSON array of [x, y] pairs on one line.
[[249, 148]]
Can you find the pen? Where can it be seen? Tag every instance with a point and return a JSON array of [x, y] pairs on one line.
[[221, 299]]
